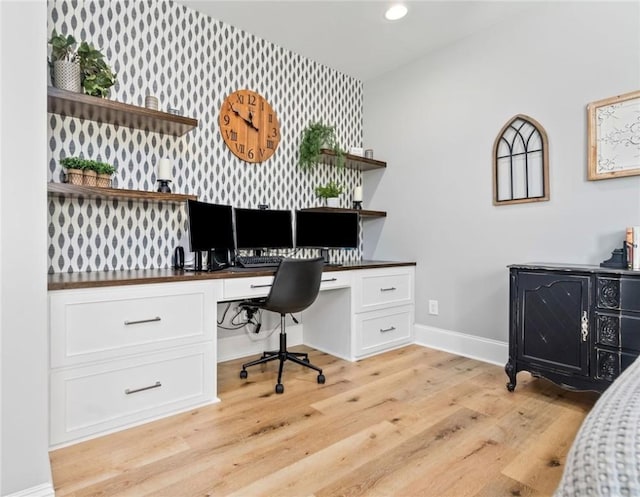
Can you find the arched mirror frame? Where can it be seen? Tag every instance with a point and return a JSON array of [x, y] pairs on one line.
[[544, 156]]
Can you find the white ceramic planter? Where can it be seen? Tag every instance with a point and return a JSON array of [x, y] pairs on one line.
[[66, 75], [333, 202]]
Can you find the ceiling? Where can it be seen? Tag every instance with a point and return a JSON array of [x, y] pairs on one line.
[[353, 36]]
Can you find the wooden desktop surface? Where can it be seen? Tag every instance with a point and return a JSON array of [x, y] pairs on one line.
[[93, 279]]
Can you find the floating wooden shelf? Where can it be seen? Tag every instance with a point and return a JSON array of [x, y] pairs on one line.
[[68, 103], [67, 190], [362, 212], [353, 161]]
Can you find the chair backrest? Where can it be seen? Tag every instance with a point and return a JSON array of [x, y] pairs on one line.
[[295, 285]]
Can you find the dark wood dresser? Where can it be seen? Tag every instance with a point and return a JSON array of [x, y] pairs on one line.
[[578, 326]]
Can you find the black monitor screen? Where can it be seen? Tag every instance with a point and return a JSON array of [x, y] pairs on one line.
[[258, 229], [210, 226], [316, 229]]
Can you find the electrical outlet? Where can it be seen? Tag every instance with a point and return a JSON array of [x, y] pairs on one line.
[[433, 307]]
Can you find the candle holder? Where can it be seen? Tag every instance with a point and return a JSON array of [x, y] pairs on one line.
[[357, 204], [164, 186]]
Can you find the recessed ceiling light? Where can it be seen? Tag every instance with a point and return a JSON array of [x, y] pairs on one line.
[[395, 12]]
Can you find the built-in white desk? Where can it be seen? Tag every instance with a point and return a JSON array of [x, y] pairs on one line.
[[127, 347]]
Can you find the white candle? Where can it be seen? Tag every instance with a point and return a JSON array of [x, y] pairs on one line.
[[164, 169], [357, 194]]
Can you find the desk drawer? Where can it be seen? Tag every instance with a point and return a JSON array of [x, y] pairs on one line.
[[384, 329], [246, 288], [97, 324], [335, 279], [91, 399], [377, 289]]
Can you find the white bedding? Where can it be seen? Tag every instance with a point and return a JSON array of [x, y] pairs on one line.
[[604, 459]]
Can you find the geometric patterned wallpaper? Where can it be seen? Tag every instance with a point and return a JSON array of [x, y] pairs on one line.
[[191, 62]]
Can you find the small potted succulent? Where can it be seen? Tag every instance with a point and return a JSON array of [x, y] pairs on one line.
[[315, 137], [105, 171], [74, 170], [330, 192]]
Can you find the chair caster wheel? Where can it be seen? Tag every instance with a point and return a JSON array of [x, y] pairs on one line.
[[243, 374], [279, 388], [321, 378]]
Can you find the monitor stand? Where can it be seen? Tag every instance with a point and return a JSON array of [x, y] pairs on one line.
[[212, 261], [197, 263], [324, 253]]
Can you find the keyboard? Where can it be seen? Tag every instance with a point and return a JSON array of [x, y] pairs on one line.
[[258, 260]]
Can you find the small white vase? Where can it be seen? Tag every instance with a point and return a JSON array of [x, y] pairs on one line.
[[66, 75], [333, 202]]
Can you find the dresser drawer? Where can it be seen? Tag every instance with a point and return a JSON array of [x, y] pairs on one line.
[[376, 289], [383, 329], [620, 294], [610, 363], [91, 399], [246, 288], [615, 330], [97, 324]]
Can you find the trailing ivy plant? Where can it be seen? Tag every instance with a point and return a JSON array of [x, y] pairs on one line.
[[315, 137], [97, 77]]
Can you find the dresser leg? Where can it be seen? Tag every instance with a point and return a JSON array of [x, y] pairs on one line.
[[510, 369]]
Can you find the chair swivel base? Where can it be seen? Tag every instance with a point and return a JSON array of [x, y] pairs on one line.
[[283, 355]]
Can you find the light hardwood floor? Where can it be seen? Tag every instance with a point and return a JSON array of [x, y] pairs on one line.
[[410, 422]]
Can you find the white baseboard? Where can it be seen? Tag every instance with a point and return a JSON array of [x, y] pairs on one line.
[[236, 346], [482, 349], [44, 490]]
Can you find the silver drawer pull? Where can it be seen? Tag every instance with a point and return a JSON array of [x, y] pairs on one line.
[[584, 326], [129, 391], [260, 286], [390, 289], [329, 279], [151, 320], [391, 328]]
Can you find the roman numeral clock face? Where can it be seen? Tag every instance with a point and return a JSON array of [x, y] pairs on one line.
[[249, 126]]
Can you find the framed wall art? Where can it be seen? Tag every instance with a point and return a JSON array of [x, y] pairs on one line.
[[613, 127]]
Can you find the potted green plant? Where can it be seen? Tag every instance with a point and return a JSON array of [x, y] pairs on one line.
[[97, 77], [315, 137], [330, 192], [74, 169], [105, 171], [64, 64]]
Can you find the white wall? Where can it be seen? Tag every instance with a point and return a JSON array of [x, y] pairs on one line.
[[435, 121], [23, 255]]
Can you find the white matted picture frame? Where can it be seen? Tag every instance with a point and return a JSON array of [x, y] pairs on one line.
[[613, 127]]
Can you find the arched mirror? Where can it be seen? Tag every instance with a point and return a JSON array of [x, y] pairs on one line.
[[521, 162]]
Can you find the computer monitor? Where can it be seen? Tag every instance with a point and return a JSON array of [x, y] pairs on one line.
[[210, 229], [263, 228], [318, 229]]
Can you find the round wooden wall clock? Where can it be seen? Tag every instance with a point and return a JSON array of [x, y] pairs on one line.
[[249, 126]]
